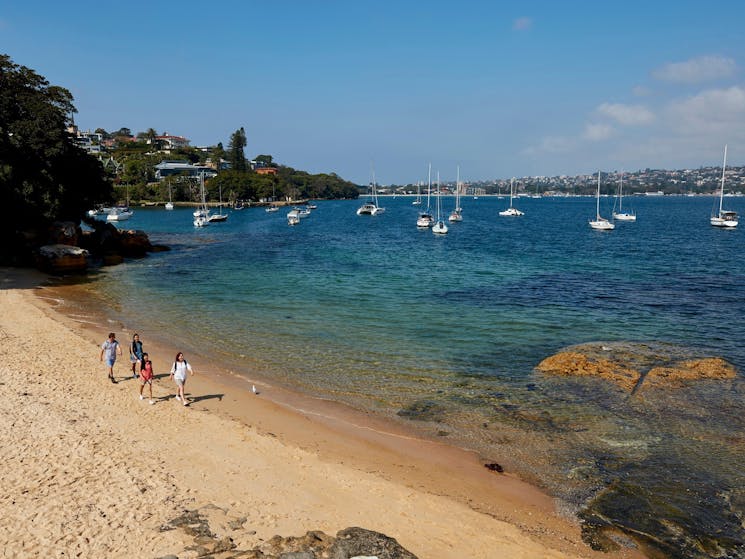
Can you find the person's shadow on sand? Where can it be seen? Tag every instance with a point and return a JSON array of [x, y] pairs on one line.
[[195, 399]]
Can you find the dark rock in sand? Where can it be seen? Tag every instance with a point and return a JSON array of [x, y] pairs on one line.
[[62, 259], [423, 410]]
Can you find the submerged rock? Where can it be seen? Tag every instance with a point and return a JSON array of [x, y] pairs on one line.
[[574, 363], [694, 369], [633, 366]]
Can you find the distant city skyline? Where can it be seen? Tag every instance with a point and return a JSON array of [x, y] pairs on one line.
[[500, 88]]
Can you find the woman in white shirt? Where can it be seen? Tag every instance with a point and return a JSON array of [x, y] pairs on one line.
[[179, 372]]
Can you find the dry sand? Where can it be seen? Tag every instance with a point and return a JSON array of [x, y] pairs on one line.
[[89, 470]]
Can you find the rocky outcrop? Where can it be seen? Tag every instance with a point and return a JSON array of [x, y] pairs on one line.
[[694, 369], [62, 259], [213, 531], [636, 366], [574, 363]]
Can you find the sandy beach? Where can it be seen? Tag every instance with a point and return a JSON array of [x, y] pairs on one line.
[[87, 469]]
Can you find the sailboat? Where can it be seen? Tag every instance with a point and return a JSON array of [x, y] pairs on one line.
[[371, 206], [169, 204], [272, 207], [418, 201], [439, 228], [425, 218], [120, 213], [724, 218], [456, 215], [600, 223], [218, 216], [621, 215], [202, 213], [511, 211]]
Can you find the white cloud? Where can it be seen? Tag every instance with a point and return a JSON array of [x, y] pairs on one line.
[[628, 115], [697, 70], [552, 144], [596, 132], [640, 91], [522, 24], [714, 111]]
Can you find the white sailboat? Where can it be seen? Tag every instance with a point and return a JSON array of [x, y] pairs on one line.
[[600, 223], [202, 213], [456, 214], [439, 228], [511, 211], [120, 213], [272, 207], [418, 201], [724, 218], [371, 207], [169, 204], [218, 217], [425, 218], [621, 215]]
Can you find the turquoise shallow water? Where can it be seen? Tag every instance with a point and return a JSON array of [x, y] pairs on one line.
[[443, 334]]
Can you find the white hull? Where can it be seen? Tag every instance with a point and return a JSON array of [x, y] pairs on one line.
[[511, 212], [602, 224], [201, 222], [119, 215], [271, 209], [724, 222], [370, 209], [455, 216], [169, 206], [425, 220], [440, 228], [624, 217], [293, 217]]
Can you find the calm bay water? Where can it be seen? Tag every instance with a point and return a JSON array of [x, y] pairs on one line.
[[443, 334]]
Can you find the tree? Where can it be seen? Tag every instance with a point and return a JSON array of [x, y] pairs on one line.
[[44, 176], [236, 155]]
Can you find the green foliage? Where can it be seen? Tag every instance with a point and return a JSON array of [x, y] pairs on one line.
[[236, 155], [44, 176]]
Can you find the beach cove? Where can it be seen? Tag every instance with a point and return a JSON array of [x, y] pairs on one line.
[[89, 469]]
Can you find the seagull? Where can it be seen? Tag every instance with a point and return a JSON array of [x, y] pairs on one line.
[[253, 389]]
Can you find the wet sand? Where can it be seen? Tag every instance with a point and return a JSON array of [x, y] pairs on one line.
[[89, 469]]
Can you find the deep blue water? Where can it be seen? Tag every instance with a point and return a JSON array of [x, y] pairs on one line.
[[377, 313]]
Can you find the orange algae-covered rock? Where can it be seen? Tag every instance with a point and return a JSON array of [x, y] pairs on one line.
[[694, 369], [573, 363]]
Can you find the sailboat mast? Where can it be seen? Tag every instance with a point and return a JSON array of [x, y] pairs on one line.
[[429, 184], [597, 211], [724, 166], [457, 187]]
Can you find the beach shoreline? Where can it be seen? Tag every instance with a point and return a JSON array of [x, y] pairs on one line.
[[287, 462]]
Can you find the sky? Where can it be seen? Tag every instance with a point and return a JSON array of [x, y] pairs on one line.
[[499, 88]]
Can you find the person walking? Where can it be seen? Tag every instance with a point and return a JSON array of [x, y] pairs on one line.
[[111, 349], [135, 354], [179, 373], [146, 376]]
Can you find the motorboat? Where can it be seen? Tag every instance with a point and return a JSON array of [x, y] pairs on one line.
[[293, 217], [120, 213]]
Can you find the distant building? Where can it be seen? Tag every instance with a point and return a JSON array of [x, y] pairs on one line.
[[167, 168], [166, 142], [266, 171], [89, 141]]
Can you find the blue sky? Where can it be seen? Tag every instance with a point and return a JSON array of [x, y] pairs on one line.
[[501, 88]]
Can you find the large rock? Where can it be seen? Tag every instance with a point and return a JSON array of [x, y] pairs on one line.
[[633, 366], [685, 371], [574, 363], [62, 259]]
